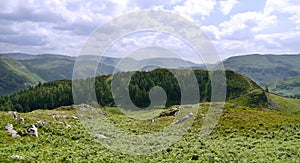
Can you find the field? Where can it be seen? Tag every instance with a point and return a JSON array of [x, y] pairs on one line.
[[242, 135]]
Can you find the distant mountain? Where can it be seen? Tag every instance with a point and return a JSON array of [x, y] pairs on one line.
[[14, 76], [50, 67], [266, 70], [240, 90], [24, 56], [289, 87]]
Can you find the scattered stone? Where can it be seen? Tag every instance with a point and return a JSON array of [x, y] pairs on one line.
[[17, 157], [85, 107], [102, 113], [201, 116], [32, 130], [163, 114], [90, 117], [42, 123], [185, 106], [21, 121], [15, 115], [57, 116], [75, 118], [10, 128], [153, 120], [68, 126], [183, 118], [173, 112], [100, 136]]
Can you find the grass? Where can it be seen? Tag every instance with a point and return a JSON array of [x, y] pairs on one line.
[[288, 87], [242, 135], [283, 104]]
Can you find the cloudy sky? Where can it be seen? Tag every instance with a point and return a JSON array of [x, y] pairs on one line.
[[234, 27]]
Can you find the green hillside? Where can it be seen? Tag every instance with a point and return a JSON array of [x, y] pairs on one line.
[[14, 76], [268, 70], [50, 69], [59, 93], [242, 135], [283, 104], [289, 87], [255, 126]]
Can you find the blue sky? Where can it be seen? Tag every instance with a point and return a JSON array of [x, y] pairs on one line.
[[235, 27]]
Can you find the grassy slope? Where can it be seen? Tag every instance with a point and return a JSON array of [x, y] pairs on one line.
[[265, 69], [289, 87], [282, 104], [242, 134], [15, 76], [51, 69]]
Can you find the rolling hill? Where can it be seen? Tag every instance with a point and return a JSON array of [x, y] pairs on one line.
[[14, 76], [274, 71], [51, 67], [242, 134], [59, 93]]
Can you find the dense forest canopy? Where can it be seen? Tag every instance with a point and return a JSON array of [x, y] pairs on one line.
[[59, 93]]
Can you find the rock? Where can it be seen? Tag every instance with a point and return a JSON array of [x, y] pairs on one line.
[[100, 136], [42, 123], [173, 112], [183, 118], [68, 126], [85, 107], [57, 116], [15, 115], [75, 118], [185, 106], [153, 120], [201, 116], [32, 130], [17, 157], [9, 127], [21, 121], [90, 117], [102, 113], [163, 114]]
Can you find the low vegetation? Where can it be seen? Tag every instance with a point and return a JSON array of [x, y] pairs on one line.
[[242, 134]]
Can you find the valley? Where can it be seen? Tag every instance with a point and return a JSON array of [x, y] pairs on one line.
[[255, 124]]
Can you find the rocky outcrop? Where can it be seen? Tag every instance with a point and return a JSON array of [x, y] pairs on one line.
[[32, 130], [10, 129]]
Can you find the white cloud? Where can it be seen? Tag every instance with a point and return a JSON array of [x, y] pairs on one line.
[[290, 7], [62, 26], [287, 6], [227, 5], [192, 8], [241, 26]]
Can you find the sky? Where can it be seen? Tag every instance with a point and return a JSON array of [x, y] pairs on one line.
[[235, 27]]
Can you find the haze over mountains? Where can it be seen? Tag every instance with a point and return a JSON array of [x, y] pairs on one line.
[[280, 73], [277, 72], [50, 67]]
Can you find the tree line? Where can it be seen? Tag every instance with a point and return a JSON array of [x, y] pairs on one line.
[[59, 93]]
